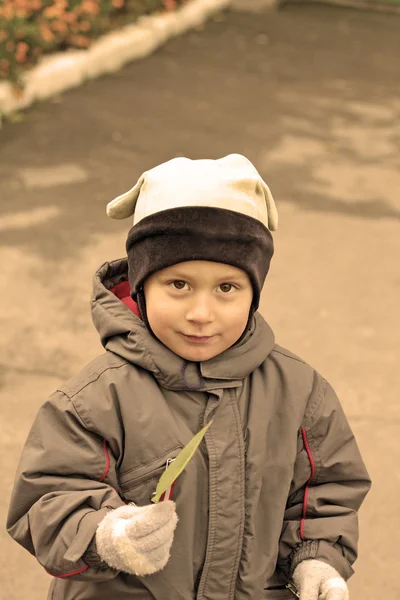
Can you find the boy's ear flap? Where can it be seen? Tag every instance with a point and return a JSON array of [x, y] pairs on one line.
[[271, 207], [124, 206]]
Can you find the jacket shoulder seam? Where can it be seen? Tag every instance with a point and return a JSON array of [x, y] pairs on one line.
[[289, 355], [94, 377]]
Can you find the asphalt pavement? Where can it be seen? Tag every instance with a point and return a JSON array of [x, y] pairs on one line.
[[311, 94]]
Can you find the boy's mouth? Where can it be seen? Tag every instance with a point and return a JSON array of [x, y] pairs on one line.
[[198, 339]]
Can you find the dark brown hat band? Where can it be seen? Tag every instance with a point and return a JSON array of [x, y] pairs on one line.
[[199, 233]]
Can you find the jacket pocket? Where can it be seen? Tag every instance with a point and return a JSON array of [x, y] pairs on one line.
[[278, 593], [139, 483]]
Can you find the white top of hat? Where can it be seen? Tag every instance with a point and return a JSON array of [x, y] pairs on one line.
[[231, 183]]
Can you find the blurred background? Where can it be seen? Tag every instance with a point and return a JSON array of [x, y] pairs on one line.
[[311, 94]]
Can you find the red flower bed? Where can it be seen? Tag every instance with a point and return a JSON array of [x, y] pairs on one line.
[[31, 28]]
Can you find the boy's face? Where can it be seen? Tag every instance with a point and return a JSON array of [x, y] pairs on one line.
[[207, 300]]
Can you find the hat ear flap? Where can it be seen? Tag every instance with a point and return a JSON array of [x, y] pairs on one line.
[[124, 206], [271, 207]]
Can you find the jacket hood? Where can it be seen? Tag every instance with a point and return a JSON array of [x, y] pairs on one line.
[[124, 333]]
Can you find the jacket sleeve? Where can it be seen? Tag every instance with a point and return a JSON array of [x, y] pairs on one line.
[[329, 484], [65, 484]]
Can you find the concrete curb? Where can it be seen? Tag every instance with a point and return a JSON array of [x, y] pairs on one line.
[[65, 70]]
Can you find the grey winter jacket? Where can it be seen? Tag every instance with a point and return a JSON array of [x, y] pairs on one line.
[[277, 480]]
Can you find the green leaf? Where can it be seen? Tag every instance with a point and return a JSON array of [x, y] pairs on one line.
[[175, 469]]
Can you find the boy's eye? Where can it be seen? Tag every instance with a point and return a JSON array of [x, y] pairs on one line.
[[178, 284], [223, 287]]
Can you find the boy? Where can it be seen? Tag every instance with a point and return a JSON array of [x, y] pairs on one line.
[[273, 492]]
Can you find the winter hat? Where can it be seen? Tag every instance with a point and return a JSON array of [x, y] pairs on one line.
[[217, 210]]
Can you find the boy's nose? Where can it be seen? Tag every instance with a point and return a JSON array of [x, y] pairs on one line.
[[200, 311]]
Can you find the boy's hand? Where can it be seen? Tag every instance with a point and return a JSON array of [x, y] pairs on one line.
[[137, 539], [316, 580]]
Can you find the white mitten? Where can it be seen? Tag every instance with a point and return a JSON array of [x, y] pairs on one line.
[[137, 539], [316, 580]]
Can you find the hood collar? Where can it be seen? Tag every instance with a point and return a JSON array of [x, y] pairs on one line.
[[123, 333]]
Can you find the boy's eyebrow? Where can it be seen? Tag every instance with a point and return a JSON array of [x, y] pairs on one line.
[[182, 275]]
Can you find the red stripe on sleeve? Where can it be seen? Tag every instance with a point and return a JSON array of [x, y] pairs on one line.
[[77, 572], [312, 465]]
